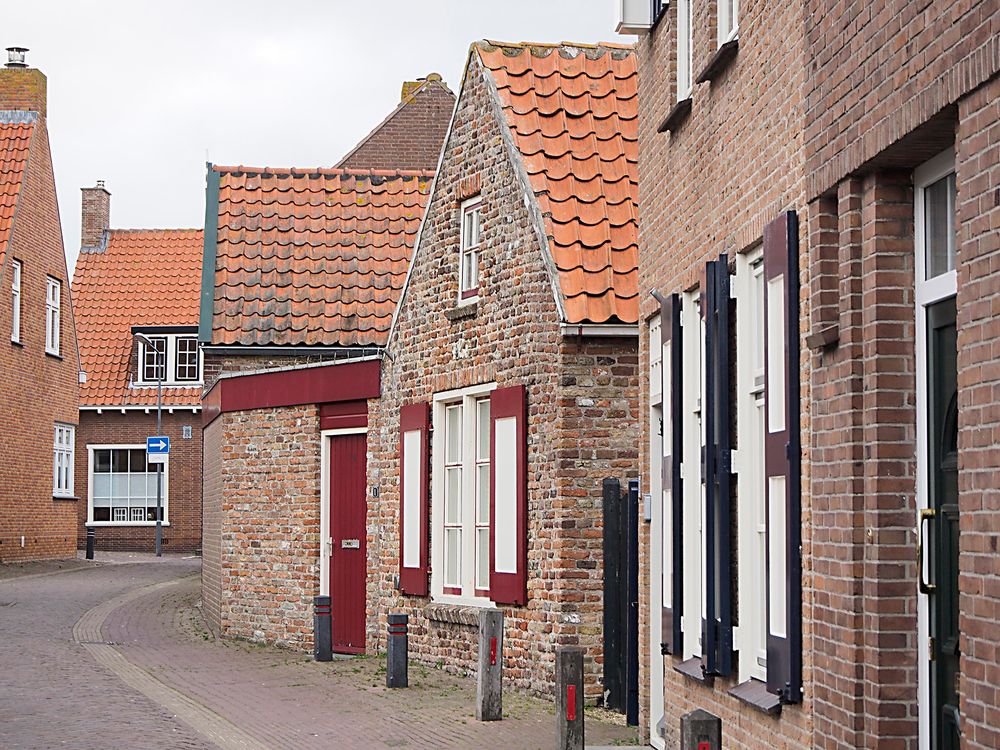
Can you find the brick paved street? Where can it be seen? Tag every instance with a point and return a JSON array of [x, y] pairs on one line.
[[173, 685]]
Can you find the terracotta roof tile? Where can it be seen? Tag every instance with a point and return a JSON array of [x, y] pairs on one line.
[[15, 141], [140, 277], [572, 110], [312, 258]]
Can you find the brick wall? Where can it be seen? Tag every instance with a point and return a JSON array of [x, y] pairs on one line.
[[709, 187], [211, 527], [411, 137], [582, 407], [131, 428], [38, 390]]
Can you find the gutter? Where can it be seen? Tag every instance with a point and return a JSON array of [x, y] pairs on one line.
[[598, 329]]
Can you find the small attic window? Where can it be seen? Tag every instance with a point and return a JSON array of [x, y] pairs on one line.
[[471, 215]]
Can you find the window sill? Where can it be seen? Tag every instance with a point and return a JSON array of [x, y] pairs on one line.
[[719, 62], [754, 693], [675, 118], [17, 343], [462, 311], [456, 614], [823, 338], [692, 670], [54, 356], [150, 524], [70, 498]]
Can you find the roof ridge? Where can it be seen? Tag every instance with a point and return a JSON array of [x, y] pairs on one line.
[[323, 171], [157, 229], [18, 116], [549, 47]]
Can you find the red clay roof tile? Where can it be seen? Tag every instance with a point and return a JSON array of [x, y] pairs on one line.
[[312, 257], [142, 277], [572, 110], [15, 142]]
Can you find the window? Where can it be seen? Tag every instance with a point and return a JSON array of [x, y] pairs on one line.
[[53, 301], [471, 232], [466, 523], [727, 20], [62, 460], [123, 486], [173, 356], [15, 293], [684, 50], [939, 232], [186, 360]]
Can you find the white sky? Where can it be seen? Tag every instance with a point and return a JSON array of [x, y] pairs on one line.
[[141, 93]]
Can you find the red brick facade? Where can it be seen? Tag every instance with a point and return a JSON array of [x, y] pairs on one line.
[[39, 390], [830, 119]]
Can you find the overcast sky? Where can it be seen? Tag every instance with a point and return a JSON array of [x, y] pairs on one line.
[[142, 93]]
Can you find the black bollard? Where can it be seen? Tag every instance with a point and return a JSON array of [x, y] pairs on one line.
[[396, 670], [569, 697], [91, 536], [322, 635], [489, 698]]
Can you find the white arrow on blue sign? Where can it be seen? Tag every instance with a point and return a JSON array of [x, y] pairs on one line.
[[157, 449]]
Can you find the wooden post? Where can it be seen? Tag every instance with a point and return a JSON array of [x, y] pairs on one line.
[[489, 697], [569, 697], [701, 730], [396, 667]]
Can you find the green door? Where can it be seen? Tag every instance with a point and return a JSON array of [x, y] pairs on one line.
[[940, 523]]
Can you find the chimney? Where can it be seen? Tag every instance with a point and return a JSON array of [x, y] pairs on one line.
[[410, 87], [21, 87], [96, 216]]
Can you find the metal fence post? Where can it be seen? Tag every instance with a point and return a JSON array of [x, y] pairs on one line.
[[489, 697], [569, 697], [322, 635], [91, 537], [396, 668]]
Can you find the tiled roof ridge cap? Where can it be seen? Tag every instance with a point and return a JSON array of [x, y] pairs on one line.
[[544, 49], [431, 79], [137, 230], [18, 116], [324, 171]]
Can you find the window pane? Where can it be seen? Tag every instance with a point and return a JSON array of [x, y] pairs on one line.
[[137, 460], [454, 434], [102, 514], [452, 554], [102, 461], [482, 558], [483, 429], [101, 487], [939, 226], [120, 514], [119, 485], [119, 461], [483, 493], [453, 501]]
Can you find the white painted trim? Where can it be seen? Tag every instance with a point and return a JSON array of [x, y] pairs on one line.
[[684, 52], [722, 6], [147, 409], [345, 431], [165, 500], [595, 329], [658, 568], [131, 524], [466, 206], [692, 342]]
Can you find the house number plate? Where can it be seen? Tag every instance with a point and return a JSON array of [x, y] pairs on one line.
[[350, 543]]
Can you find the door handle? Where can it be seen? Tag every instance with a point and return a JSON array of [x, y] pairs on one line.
[[927, 514]]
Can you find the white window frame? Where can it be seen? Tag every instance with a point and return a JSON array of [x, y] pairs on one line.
[[63, 457], [15, 294], [171, 361], [926, 292], [748, 464], [470, 596], [468, 292], [53, 311], [727, 20], [177, 359], [692, 398], [165, 494], [685, 46]]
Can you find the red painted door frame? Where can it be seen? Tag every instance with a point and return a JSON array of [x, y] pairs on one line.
[[348, 567]]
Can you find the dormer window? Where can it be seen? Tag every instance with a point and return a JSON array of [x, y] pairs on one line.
[[469, 263], [173, 357]]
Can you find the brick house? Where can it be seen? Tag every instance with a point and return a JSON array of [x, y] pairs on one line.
[[818, 220], [38, 348], [517, 330], [136, 294]]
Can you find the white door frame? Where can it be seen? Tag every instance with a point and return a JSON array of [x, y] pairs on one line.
[[926, 293], [656, 566], [325, 541]]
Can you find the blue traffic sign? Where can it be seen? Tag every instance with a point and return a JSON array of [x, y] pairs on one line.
[[158, 445]]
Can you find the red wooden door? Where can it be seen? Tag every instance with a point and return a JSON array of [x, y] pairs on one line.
[[348, 559]]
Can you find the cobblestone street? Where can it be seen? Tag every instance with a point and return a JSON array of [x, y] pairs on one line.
[[116, 655]]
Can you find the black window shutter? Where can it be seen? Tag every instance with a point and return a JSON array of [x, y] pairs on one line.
[[670, 332], [718, 626], [782, 457]]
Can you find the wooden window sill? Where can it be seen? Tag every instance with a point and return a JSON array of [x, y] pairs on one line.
[[692, 669], [677, 115], [719, 62], [754, 693]]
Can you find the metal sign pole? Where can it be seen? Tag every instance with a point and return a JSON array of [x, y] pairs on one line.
[[159, 466]]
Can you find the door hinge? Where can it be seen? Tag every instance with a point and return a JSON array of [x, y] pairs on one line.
[[931, 651]]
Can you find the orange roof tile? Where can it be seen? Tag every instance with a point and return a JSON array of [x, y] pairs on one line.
[[312, 257], [572, 110], [141, 277], [15, 141]]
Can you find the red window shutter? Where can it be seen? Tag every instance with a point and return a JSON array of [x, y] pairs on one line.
[[673, 373], [508, 496], [414, 497], [782, 457]]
